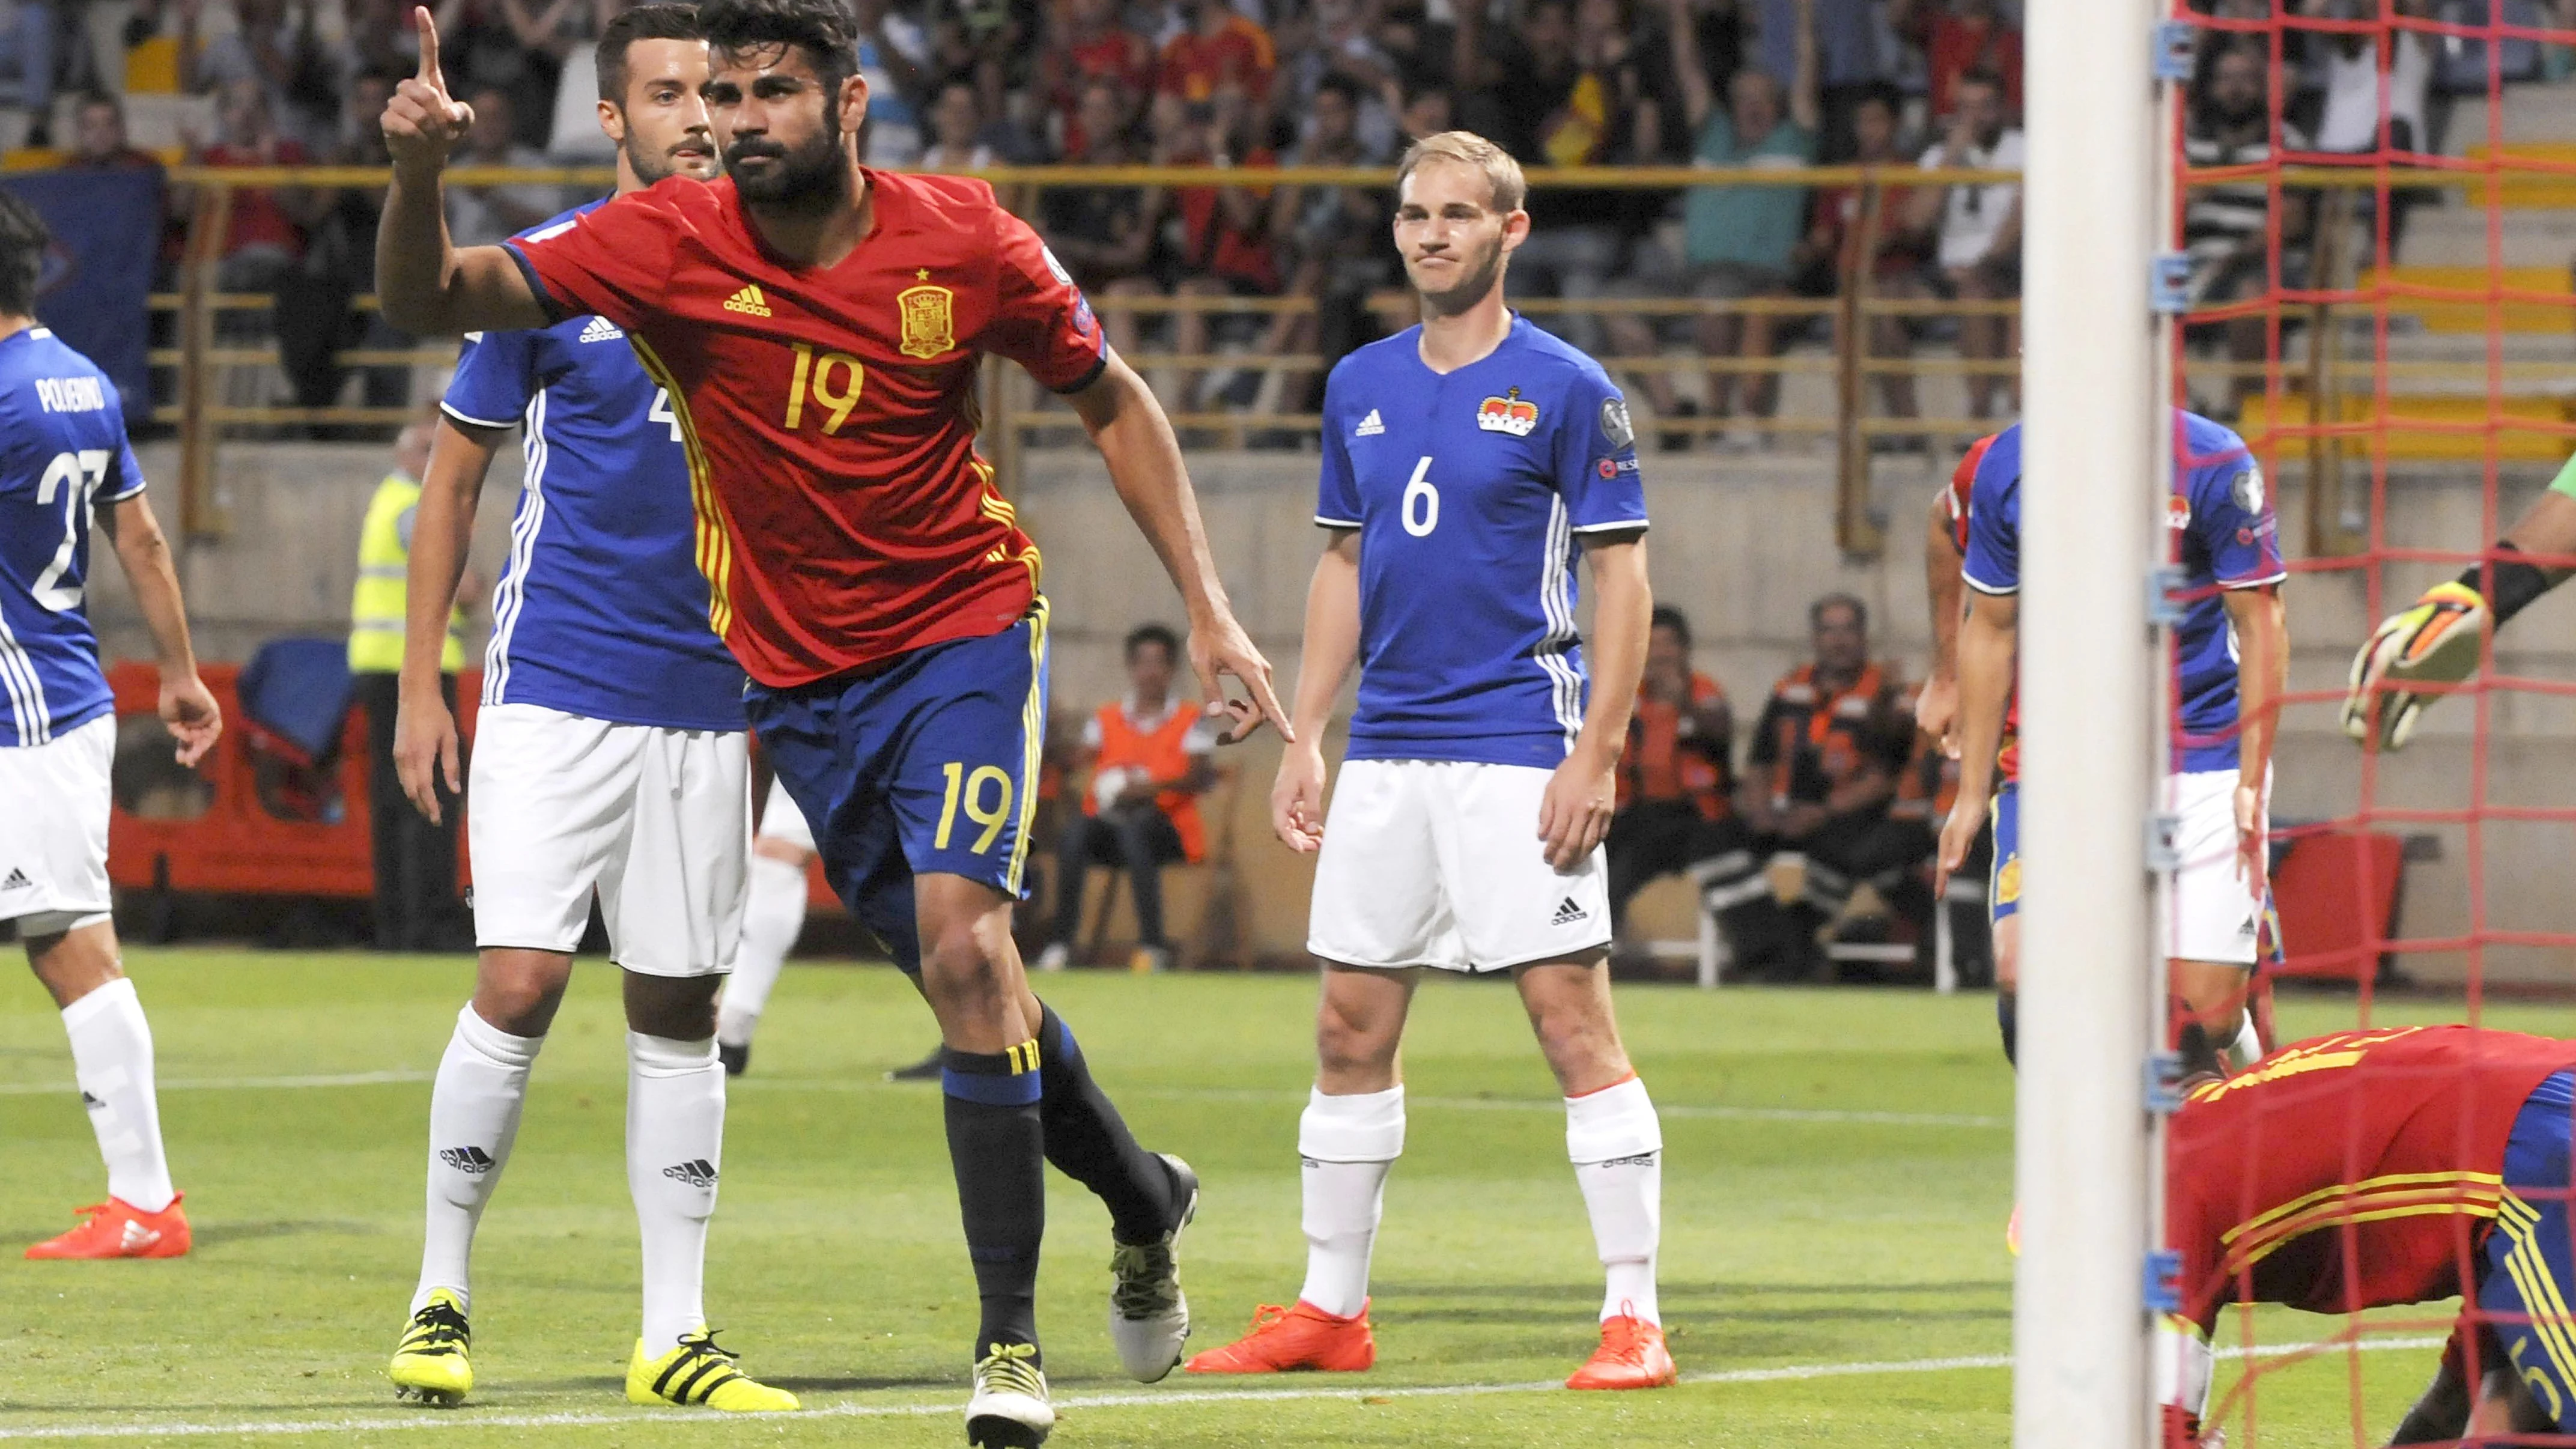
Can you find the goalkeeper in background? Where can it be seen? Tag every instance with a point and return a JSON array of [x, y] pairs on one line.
[[2433, 646]]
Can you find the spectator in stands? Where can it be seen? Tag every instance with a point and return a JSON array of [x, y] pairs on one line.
[[487, 215], [415, 860], [1956, 37], [98, 138], [500, 45], [891, 49], [316, 315], [1343, 44], [1335, 240], [1225, 233], [265, 232], [1856, 52], [1086, 43], [1428, 111], [1977, 232], [1674, 772], [1104, 234], [2225, 227], [280, 54], [1896, 260], [27, 66], [1216, 44], [1738, 242], [2346, 74], [1151, 757], [956, 130], [1818, 780]]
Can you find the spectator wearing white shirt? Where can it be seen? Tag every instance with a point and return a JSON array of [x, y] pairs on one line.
[[1976, 229]]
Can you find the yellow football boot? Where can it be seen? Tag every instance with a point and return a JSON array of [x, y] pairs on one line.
[[699, 1372], [430, 1364]]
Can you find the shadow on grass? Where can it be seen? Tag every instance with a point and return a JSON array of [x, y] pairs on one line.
[[1568, 1292], [211, 1235]]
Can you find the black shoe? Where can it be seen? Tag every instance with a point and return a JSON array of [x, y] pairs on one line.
[[925, 1070], [736, 1059]]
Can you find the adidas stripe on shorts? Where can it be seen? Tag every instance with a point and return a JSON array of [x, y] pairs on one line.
[[1439, 863]]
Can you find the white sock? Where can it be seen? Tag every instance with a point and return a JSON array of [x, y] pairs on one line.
[[675, 1104], [112, 1062], [2247, 1049], [772, 916], [1617, 1146], [473, 1118], [1347, 1144]]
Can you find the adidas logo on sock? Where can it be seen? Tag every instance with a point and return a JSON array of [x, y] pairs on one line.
[[17, 881], [1369, 427], [472, 1161], [696, 1172], [748, 302], [601, 330], [1567, 913]]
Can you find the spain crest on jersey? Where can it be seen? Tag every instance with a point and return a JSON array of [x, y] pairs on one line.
[[1512, 413], [929, 322]]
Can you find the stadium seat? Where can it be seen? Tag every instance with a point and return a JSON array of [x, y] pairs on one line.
[[1198, 900]]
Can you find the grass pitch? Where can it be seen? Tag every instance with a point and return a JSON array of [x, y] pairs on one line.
[[1836, 1181]]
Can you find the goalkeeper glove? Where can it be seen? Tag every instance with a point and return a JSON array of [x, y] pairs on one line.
[[2409, 659]]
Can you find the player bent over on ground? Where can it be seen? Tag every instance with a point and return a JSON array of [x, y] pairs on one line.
[[611, 759], [64, 461], [2376, 1168], [819, 327], [1468, 464]]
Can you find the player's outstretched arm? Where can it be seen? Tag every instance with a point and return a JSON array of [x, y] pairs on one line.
[[1135, 439], [442, 530], [1331, 647], [2418, 653], [1986, 642], [1936, 707], [2262, 677], [186, 705], [1574, 813], [426, 284]]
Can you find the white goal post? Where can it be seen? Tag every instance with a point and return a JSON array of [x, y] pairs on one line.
[[2095, 470]]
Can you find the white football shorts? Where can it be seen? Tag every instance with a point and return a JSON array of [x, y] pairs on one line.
[[781, 821], [1439, 863], [657, 821], [53, 845], [2207, 907]]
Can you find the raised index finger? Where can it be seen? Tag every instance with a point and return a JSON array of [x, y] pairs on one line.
[[427, 25]]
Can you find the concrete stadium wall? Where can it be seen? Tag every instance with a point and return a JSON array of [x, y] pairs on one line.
[[1742, 544]]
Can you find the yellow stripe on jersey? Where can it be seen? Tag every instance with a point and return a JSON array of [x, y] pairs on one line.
[[1032, 740], [715, 536], [2461, 1193], [2529, 1268], [2368, 1185]]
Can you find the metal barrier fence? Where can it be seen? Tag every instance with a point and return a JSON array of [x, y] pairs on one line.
[[1016, 414]]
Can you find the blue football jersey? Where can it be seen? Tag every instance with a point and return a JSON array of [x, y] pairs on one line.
[[2224, 535], [1469, 490], [62, 453], [601, 610]]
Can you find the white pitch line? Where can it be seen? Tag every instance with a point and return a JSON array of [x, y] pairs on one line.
[[230, 1084], [576, 1419]]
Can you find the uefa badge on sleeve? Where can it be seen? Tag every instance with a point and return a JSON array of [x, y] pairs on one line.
[[1615, 425]]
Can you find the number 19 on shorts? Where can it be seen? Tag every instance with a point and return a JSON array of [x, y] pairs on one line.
[[970, 792]]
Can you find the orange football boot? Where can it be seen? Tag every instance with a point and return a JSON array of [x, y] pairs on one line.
[[1631, 1356], [118, 1229], [1283, 1340]]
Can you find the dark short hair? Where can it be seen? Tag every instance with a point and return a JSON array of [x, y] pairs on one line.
[[1668, 617], [641, 22], [822, 28], [1859, 610], [1343, 86], [24, 238], [1144, 634], [94, 97]]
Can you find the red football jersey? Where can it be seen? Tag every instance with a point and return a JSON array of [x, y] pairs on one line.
[[2348, 1172], [1963, 482], [829, 412]]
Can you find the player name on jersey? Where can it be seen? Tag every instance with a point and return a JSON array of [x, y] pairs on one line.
[[71, 394]]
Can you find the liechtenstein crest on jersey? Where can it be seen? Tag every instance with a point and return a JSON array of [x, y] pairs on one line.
[[1511, 413], [929, 323]]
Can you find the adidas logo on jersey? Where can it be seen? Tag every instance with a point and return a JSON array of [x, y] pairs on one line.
[[1567, 913], [1369, 426], [472, 1161], [748, 302], [603, 330], [17, 881], [696, 1172]]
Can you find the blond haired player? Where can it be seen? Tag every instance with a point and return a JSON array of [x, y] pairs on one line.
[[1469, 464]]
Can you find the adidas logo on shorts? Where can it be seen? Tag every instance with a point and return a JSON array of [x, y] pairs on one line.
[[1567, 913], [601, 330], [17, 881], [696, 1172], [472, 1161]]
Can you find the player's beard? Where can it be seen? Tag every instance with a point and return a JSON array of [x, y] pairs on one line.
[[1476, 277], [652, 164], [812, 177]]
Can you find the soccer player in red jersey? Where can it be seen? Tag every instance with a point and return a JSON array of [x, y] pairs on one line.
[[2374, 1168], [818, 326]]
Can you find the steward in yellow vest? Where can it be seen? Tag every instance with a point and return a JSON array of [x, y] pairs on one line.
[[376, 606]]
